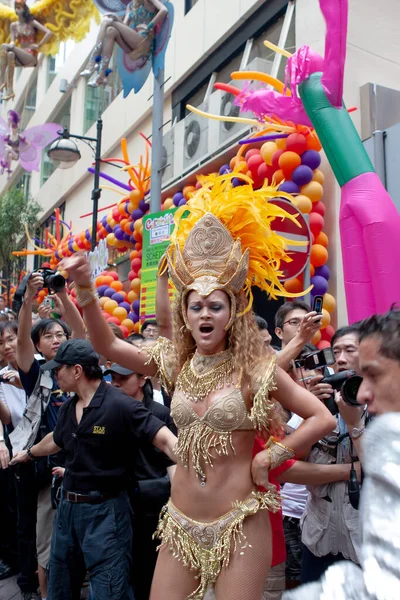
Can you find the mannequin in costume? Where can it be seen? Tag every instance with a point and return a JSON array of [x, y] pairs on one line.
[[216, 528], [12, 143], [26, 31], [23, 50], [134, 34]]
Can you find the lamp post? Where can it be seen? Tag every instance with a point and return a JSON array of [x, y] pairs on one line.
[[64, 153]]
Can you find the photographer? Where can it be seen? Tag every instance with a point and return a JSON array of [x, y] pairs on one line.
[[330, 525], [33, 480]]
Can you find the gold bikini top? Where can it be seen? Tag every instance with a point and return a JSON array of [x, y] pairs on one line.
[[198, 435]]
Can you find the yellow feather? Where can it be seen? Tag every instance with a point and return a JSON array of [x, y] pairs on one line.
[[248, 216]]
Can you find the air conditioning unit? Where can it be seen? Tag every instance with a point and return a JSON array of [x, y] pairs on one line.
[[167, 159], [195, 139]]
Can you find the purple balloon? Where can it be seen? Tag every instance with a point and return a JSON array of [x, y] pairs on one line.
[[104, 221], [289, 187], [225, 169], [302, 175], [108, 228], [109, 292], [182, 202], [127, 237], [320, 285], [88, 235], [236, 181], [137, 214], [133, 317], [136, 306], [144, 207], [177, 198], [117, 297], [323, 271], [57, 255], [119, 234], [311, 158], [101, 289], [70, 248], [126, 306]]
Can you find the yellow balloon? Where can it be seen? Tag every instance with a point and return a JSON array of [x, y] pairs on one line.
[[312, 190], [168, 203], [329, 303], [267, 150], [303, 203], [281, 143], [110, 306], [326, 318], [111, 241], [319, 176]]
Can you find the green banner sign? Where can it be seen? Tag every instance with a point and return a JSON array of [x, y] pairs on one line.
[[157, 230]]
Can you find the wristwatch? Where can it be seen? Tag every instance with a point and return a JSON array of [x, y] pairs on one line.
[[356, 432], [29, 453]]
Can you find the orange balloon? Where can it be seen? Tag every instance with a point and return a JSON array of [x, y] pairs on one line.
[[329, 303], [108, 280], [117, 286], [319, 255], [281, 143], [313, 142], [128, 324], [293, 286], [121, 208], [322, 239], [288, 161], [110, 306], [136, 327], [278, 176], [120, 312], [132, 296], [137, 225], [133, 254], [319, 176], [303, 203], [130, 208], [326, 318], [312, 190], [312, 270], [188, 191], [316, 338], [99, 281], [241, 167], [135, 285], [135, 196]]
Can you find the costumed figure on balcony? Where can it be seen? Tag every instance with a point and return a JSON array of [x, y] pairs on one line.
[[25, 147], [141, 29], [215, 529], [26, 31]]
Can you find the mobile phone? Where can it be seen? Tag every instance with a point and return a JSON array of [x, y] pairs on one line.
[[317, 304]]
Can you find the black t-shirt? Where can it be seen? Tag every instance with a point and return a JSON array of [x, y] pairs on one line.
[[151, 463], [101, 449]]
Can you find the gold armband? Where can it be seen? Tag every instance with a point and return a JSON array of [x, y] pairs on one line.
[[86, 295], [277, 453]]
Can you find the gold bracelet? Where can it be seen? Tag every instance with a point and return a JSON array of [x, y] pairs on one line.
[[86, 295], [278, 453]]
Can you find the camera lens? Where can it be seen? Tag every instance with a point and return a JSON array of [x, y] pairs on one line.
[[350, 390], [56, 282]]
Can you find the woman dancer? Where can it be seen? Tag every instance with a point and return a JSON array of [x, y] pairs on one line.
[[12, 143], [134, 34], [214, 529], [23, 49]]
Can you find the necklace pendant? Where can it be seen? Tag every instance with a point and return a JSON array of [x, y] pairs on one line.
[[203, 481]]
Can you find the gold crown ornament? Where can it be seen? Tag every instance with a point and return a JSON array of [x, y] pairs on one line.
[[223, 241]]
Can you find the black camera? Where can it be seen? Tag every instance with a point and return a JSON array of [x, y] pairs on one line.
[[348, 383], [52, 279], [316, 360]]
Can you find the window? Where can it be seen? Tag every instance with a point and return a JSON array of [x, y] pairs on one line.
[[30, 103], [51, 71], [98, 99], [24, 183], [55, 63], [189, 5], [64, 118]]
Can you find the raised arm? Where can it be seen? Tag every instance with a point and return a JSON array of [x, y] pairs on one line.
[[308, 327], [25, 347], [163, 306], [101, 336], [72, 315]]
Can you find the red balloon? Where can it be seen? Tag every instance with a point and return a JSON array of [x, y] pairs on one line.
[[249, 153], [327, 333], [323, 344], [316, 223], [254, 162], [124, 330], [275, 158], [319, 207], [265, 172], [113, 320], [136, 264], [113, 274], [132, 275], [296, 142]]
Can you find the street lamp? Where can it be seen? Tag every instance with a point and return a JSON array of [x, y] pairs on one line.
[[64, 153]]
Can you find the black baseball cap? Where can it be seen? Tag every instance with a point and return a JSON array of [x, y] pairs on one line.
[[73, 352], [119, 370]]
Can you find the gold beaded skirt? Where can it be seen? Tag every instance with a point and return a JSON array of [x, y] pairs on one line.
[[206, 547]]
